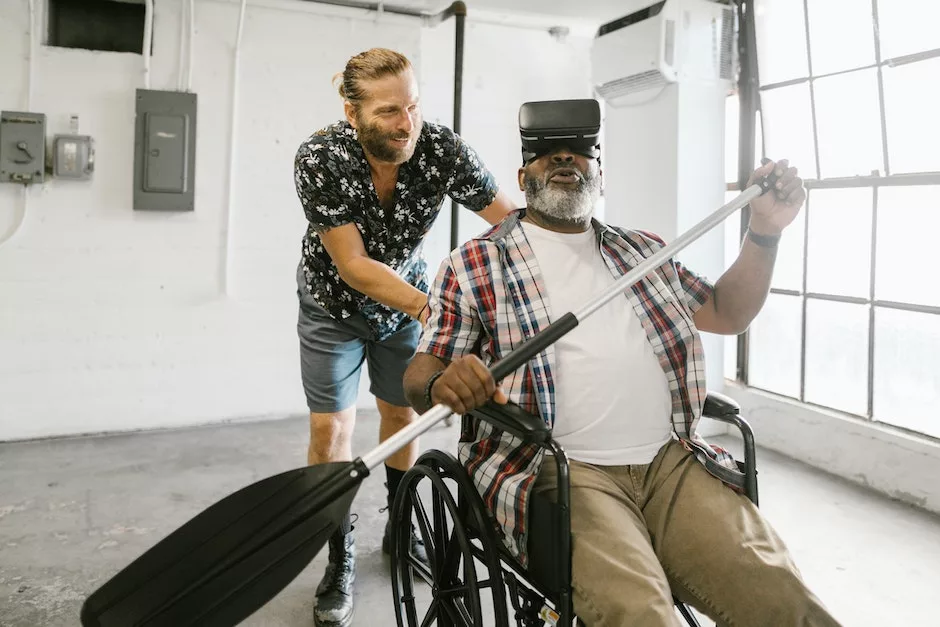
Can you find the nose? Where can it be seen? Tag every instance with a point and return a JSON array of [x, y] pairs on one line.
[[407, 122], [563, 155]]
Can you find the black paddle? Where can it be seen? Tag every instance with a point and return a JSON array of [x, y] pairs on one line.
[[232, 558]]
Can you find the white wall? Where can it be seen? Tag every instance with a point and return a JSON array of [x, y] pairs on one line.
[[112, 319], [900, 465]]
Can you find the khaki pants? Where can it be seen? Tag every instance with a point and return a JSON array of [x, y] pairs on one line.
[[640, 534]]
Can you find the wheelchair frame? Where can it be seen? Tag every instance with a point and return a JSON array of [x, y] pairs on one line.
[[539, 593]]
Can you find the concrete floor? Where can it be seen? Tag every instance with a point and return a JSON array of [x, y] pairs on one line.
[[73, 512]]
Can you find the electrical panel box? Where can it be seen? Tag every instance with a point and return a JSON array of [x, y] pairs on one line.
[[22, 147], [165, 151], [73, 157]]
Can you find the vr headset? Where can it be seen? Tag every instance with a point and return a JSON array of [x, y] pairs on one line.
[[547, 125]]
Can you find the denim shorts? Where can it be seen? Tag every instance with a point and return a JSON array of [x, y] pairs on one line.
[[332, 352]]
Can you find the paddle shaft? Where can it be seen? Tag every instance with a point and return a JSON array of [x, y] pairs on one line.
[[535, 345]]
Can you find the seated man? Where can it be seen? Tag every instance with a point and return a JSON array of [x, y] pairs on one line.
[[623, 393]]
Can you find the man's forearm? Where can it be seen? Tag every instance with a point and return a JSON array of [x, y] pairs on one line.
[[380, 283], [416, 378], [742, 289]]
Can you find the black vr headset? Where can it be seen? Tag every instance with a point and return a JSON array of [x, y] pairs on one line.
[[548, 125]]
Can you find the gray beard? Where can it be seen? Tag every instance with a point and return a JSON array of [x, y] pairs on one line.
[[563, 206]]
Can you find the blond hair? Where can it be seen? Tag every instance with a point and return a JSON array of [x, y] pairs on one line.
[[370, 65]]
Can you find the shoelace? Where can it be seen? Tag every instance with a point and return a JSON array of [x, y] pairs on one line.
[[340, 570], [338, 574]]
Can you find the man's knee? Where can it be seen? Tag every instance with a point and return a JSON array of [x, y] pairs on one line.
[[795, 604], [395, 417], [332, 421], [601, 606], [331, 433], [780, 592], [618, 584]]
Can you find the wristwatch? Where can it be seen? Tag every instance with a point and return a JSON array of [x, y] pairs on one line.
[[765, 241], [427, 388]]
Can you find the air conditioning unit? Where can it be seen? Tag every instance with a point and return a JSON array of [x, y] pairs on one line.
[[667, 42]]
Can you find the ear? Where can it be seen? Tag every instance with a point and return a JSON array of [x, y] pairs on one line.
[[521, 177], [350, 110]]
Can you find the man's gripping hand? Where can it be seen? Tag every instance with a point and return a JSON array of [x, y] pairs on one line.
[[465, 385]]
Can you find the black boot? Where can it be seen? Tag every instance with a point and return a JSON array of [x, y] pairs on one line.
[[416, 544], [335, 593]]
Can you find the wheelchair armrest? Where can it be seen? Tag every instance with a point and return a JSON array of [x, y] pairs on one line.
[[512, 418], [726, 409], [718, 405]]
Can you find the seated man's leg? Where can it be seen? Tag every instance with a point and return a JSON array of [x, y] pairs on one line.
[[720, 554], [616, 577]]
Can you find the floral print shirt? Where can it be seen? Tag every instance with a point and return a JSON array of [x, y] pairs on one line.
[[334, 184]]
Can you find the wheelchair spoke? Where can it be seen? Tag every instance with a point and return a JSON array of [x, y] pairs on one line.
[[431, 616], [420, 569], [462, 610], [451, 609], [424, 527], [451, 557], [455, 591], [440, 536]]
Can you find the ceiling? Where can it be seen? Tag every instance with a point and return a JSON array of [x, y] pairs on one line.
[[598, 11]]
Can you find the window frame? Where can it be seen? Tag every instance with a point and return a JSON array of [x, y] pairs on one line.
[[749, 91]]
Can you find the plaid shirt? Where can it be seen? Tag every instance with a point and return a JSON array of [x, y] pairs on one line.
[[487, 299]]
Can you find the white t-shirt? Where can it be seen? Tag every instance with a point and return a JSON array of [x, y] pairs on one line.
[[612, 400]]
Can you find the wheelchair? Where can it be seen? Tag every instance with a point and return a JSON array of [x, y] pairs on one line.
[[473, 579]]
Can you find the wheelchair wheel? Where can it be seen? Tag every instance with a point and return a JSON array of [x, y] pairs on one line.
[[456, 536]]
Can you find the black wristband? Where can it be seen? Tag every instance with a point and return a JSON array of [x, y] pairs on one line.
[[428, 386], [764, 241], [426, 306]]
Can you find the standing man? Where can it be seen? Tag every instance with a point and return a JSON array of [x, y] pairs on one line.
[[371, 187]]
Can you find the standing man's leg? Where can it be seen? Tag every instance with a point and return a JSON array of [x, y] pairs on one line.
[[331, 356], [394, 418], [331, 436], [388, 360]]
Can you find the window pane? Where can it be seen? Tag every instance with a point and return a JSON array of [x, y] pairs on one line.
[[731, 357], [781, 40], [788, 127], [848, 124], [837, 355], [774, 346], [908, 26], [911, 108], [907, 380], [839, 243], [908, 223], [848, 22]]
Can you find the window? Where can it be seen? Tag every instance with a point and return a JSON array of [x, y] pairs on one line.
[[109, 25], [853, 319]]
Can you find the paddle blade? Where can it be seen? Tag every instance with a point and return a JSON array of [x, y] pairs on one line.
[[233, 557]]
